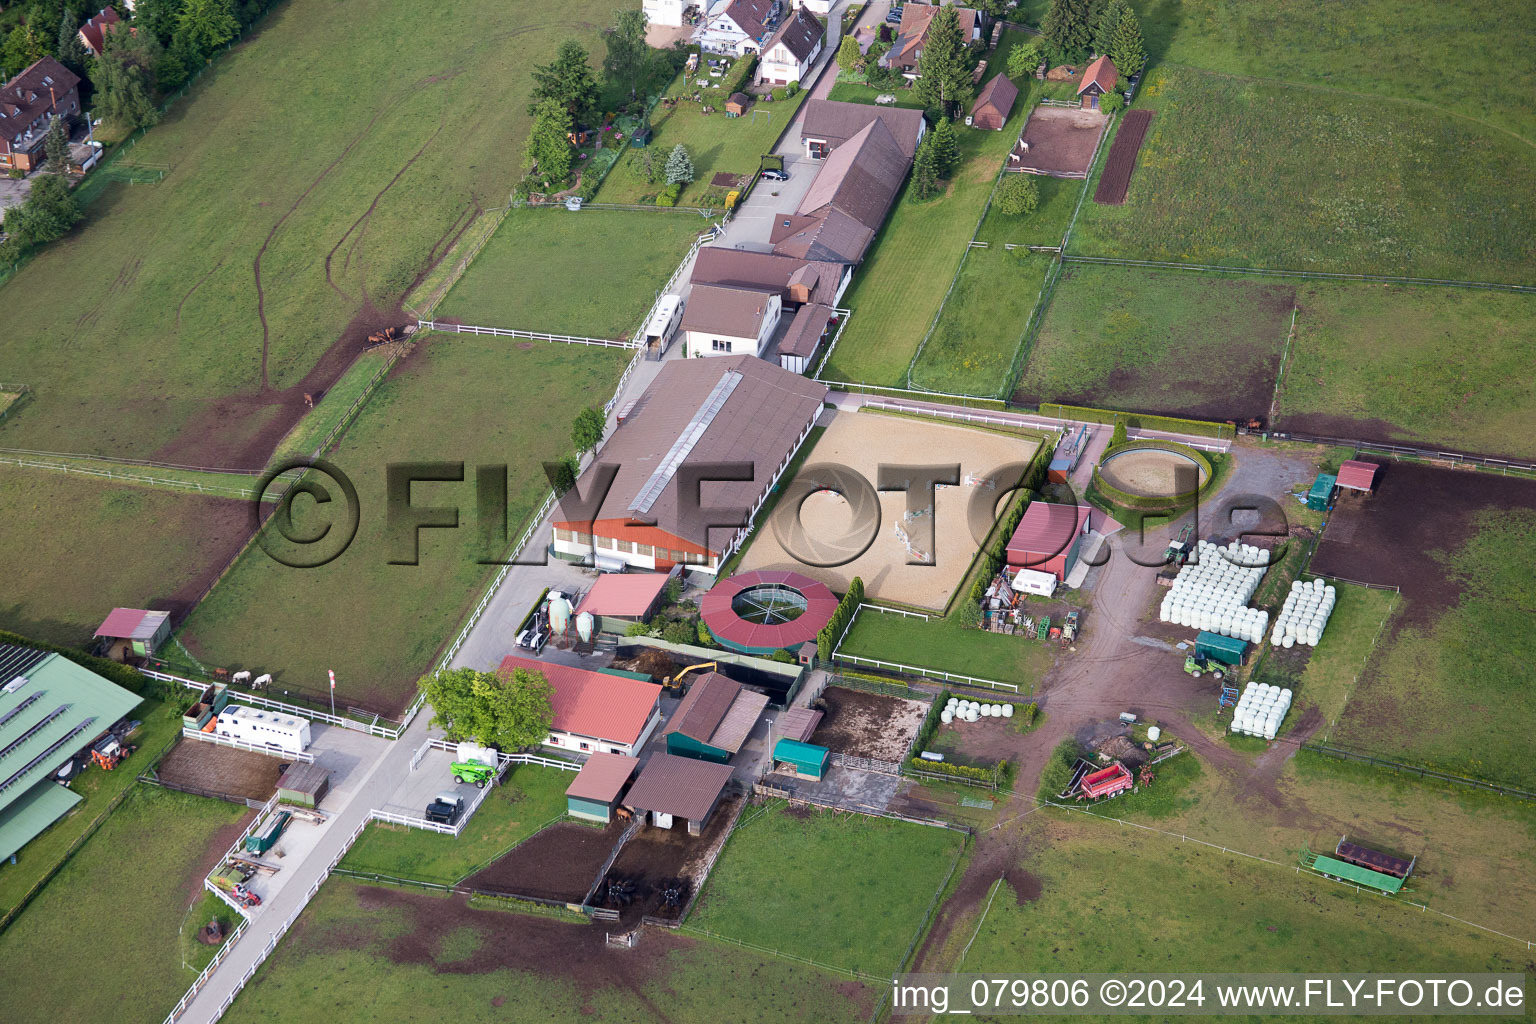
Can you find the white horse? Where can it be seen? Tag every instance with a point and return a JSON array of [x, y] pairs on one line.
[[261, 682], [240, 677]]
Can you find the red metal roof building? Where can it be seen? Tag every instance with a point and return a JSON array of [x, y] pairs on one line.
[[595, 711], [627, 597], [1050, 538], [1355, 475], [766, 611], [134, 631]]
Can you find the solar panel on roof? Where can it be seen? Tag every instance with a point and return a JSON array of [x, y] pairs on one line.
[[686, 440]]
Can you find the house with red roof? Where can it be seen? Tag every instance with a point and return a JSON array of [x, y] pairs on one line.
[[93, 34], [28, 104], [595, 711], [1099, 79]]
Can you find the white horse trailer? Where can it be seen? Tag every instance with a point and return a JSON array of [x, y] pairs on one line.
[[264, 728], [662, 325]]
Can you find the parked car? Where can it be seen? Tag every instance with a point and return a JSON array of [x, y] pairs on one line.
[[774, 175], [893, 16], [445, 808]]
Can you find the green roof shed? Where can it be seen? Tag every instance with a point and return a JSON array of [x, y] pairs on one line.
[[805, 759], [1355, 873], [1322, 492]]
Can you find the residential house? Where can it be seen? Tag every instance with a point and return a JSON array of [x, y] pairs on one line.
[[828, 124], [796, 282], [821, 7], [28, 104], [595, 711], [742, 27], [729, 321], [697, 415], [916, 19], [1099, 79], [93, 34], [846, 204], [993, 104], [792, 50]]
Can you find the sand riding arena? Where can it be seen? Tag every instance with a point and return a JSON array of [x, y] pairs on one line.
[[1153, 472], [1058, 141], [817, 522]]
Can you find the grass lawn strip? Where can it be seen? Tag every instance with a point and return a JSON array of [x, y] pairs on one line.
[[398, 146], [885, 874], [166, 834], [1230, 173], [528, 798], [456, 397], [594, 274], [943, 644]]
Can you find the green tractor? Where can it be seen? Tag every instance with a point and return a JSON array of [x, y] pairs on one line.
[[1179, 550], [1199, 666], [473, 771]]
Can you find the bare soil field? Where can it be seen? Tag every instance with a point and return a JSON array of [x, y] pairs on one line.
[[1061, 142], [1121, 162], [867, 724], [656, 855], [864, 442], [226, 771], [559, 863], [1152, 472]]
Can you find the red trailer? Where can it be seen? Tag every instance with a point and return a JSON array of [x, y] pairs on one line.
[[1105, 782]]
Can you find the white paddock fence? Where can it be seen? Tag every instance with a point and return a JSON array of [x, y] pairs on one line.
[[256, 748], [509, 332]]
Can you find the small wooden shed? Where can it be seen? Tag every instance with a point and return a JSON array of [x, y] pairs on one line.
[[737, 104], [303, 784]]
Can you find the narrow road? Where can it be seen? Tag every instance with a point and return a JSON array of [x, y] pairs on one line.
[[389, 769]]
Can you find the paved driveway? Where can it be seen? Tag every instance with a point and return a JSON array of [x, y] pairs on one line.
[[13, 192]]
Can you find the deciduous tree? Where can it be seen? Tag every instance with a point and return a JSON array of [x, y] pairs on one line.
[[49, 212], [1018, 195], [569, 80], [503, 710], [944, 69], [628, 59], [587, 429], [549, 145], [1023, 60], [1069, 27]]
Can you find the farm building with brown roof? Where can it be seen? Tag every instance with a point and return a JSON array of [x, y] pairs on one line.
[[714, 719], [846, 204], [827, 124], [721, 321], [671, 787], [696, 415], [994, 103], [596, 788]]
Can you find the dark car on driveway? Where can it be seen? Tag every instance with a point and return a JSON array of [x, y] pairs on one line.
[[776, 175]]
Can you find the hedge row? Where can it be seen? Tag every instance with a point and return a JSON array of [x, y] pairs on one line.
[[991, 775], [1138, 421], [827, 639], [740, 75], [994, 556]]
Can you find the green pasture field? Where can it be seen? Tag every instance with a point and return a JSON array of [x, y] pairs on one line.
[[528, 798], [1455, 694], [971, 349], [132, 882], [330, 407], [78, 546], [97, 789], [717, 144], [1241, 172], [865, 884], [455, 398], [900, 286], [593, 273], [1045, 226], [371, 954], [858, 92], [1416, 365], [1092, 914], [346, 188], [1170, 342], [944, 644]]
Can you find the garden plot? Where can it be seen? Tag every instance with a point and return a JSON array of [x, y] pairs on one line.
[[868, 725], [863, 442], [1115, 182]]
